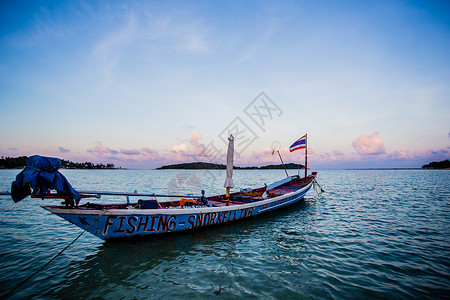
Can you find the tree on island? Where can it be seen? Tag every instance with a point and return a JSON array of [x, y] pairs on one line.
[[211, 166], [21, 162], [13, 162], [445, 164], [86, 165]]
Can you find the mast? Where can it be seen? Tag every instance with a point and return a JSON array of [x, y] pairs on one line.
[[306, 155]]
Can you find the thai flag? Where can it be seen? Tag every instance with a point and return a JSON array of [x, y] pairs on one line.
[[298, 144]]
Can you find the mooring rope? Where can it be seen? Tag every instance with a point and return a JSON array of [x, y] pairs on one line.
[[314, 185], [54, 257]]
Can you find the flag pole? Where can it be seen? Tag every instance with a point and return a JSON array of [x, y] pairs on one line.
[[306, 155]]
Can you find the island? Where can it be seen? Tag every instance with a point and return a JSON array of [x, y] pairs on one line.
[[21, 162], [212, 166], [445, 164]]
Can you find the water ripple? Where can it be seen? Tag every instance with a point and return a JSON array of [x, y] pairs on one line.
[[373, 234]]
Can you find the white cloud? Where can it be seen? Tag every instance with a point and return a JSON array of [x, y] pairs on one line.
[[195, 43], [112, 46], [369, 144]]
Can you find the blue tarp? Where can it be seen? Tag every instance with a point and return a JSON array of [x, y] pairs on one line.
[[41, 174]]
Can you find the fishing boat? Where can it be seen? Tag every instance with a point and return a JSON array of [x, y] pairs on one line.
[[151, 214]]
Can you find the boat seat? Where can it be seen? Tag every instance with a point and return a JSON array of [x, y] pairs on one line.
[[148, 204], [278, 191]]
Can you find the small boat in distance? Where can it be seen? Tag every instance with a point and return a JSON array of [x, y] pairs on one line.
[[150, 215]]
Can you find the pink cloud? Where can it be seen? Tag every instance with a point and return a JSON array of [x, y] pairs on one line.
[[149, 154], [148, 150], [438, 153], [128, 158], [102, 149], [258, 158], [63, 150], [129, 152], [369, 153], [369, 144], [328, 159], [180, 148], [194, 151], [403, 158], [402, 154], [195, 142], [267, 156]]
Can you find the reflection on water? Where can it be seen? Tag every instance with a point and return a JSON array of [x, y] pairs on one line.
[[373, 234], [186, 263]]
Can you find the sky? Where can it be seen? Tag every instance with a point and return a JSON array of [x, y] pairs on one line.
[[142, 84]]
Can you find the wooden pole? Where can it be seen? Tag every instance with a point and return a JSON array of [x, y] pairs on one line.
[[306, 155], [93, 193]]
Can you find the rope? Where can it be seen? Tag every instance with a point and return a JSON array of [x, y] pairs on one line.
[[54, 257], [314, 185]]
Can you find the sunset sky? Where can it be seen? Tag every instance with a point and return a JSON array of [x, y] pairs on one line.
[[143, 84]]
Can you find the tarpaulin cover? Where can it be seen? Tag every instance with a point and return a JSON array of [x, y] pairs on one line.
[[40, 175]]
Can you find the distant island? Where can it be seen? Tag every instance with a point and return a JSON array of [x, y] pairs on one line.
[[211, 166], [21, 162], [445, 164]]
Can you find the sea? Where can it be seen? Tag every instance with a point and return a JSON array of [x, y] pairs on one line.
[[372, 234]]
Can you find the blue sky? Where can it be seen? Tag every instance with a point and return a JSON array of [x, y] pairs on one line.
[[145, 83]]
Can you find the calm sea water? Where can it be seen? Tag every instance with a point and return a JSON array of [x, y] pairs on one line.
[[373, 234]]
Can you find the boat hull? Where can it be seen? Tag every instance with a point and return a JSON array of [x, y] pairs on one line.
[[127, 223]]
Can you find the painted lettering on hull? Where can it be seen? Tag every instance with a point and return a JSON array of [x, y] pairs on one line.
[[206, 219], [131, 225]]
